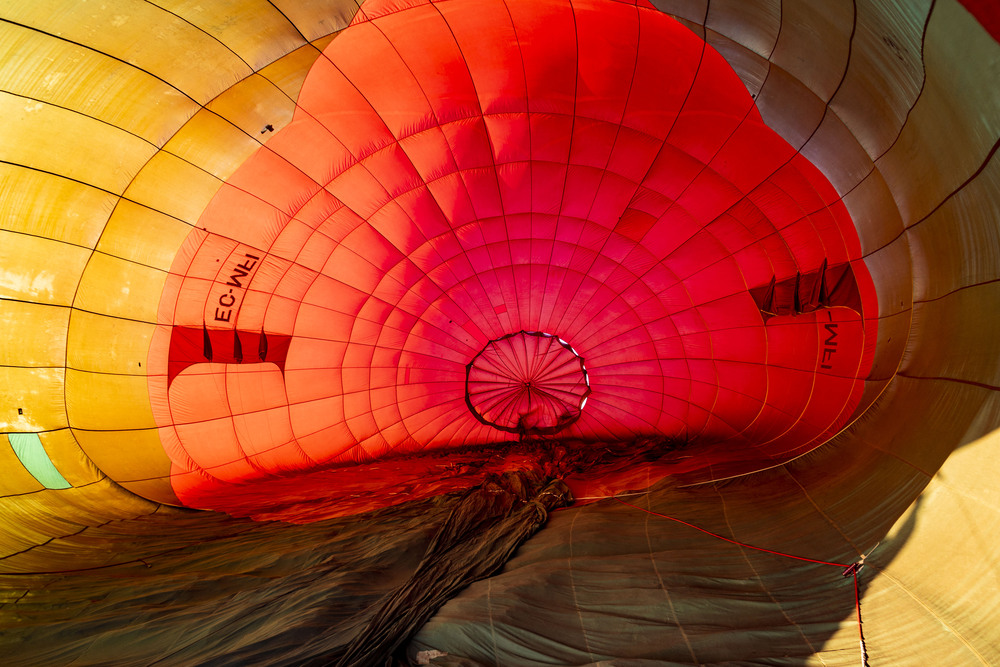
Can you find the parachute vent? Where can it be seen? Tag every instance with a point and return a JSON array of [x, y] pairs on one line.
[[527, 382]]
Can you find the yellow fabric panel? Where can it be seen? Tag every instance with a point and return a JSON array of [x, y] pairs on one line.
[[213, 144], [29, 522], [51, 206], [39, 526], [748, 65], [37, 269], [844, 160], [961, 336], [134, 459], [143, 235], [135, 31], [38, 135], [316, 18], [68, 458], [921, 618], [949, 404], [36, 334], [885, 73], [959, 107], [323, 42], [49, 69], [289, 72], [254, 103], [157, 489], [101, 402], [757, 26], [213, 139], [168, 184], [891, 271], [941, 583], [892, 333], [38, 393], [781, 90], [255, 31], [15, 478], [12, 593], [875, 213], [106, 344], [118, 287], [948, 245], [816, 58]]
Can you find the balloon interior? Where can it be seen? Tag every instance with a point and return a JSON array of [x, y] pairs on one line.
[[479, 260], [509, 239]]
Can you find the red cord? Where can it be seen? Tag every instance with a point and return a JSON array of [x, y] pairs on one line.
[[721, 537], [857, 592]]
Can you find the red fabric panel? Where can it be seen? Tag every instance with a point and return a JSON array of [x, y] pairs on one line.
[[461, 171], [987, 13]]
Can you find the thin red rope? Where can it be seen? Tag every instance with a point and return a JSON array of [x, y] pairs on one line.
[[857, 592], [742, 544]]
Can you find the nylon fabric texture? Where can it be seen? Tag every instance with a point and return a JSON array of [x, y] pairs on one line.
[[329, 269]]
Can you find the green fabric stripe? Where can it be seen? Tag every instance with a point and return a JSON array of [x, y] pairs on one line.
[[29, 449]]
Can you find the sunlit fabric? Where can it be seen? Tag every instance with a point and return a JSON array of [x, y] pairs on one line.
[[392, 284]]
